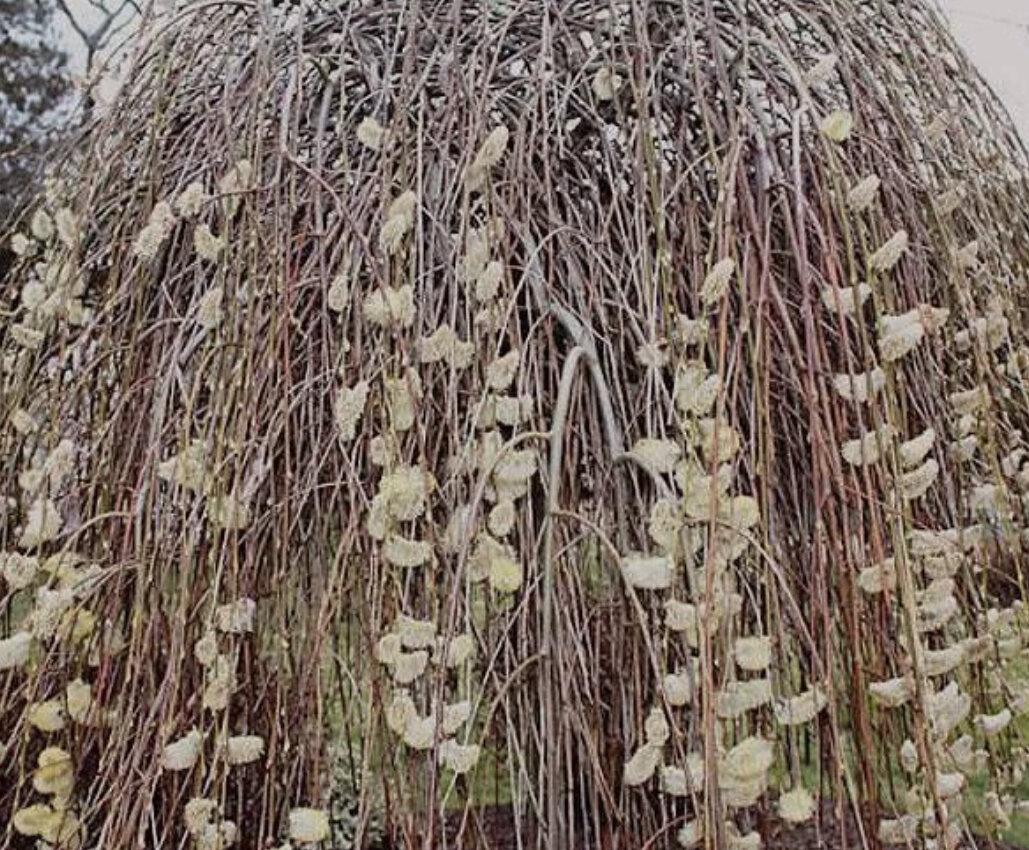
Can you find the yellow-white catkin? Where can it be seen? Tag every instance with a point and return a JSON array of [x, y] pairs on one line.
[[796, 805], [205, 650], [879, 578], [21, 245], [487, 283], [750, 759], [993, 724], [416, 634], [55, 773], [821, 72], [970, 402], [188, 468], [605, 83], [209, 312], [512, 410], [15, 650], [916, 483], [505, 574], [674, 781], [191, 200], [390, 307], [950, 199], [837, 125], [967, 256], [802, 708], [655, 727], [848, 300], [489, 155], [419, 733], [198, 813], [716, 284], [753, 653], [641, 765], [991, 499], [866, 449], [909, 756], [19, 571], [691, 834], [476, 256], [42, 524], [221, 682], [400, 218], [460, 650], [208, 246], [338, 294], [244, 749], [737, 698], [236, 180], [78, 699], [455, 716], [695, 391], [183, 753], [902, 830], [860, 388], [460, 758], [236, 617], [678, 688], [348, 409], [862, 194], [892, 693], [690, 332], [409, 666], [152, 237], [388, 648], [656, 455], [889, 253], [26, 336], [718, 438], [913, 451], [963, 450], [404, 491], [652, 355], [501, 518], [949, 784], [666, 524], [23, 422], [501, 372], [899, 334], [228, 512], [46, 716], [371, 133], [308, 826], [405, 553], [42, 226], [940, 662], [402, 397]]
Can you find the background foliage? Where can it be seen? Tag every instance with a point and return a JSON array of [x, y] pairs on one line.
[[33, 85]]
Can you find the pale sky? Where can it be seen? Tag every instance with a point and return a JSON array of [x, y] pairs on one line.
[[995, 34]]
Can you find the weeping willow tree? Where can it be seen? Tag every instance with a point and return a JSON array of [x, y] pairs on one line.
[[610, 409]]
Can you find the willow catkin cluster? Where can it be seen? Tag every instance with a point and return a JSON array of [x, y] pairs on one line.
[[541, 411]]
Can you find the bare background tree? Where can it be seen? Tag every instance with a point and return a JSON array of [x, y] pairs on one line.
[[97, 26]]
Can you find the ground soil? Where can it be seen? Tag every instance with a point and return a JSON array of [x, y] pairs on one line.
[[492, 828]]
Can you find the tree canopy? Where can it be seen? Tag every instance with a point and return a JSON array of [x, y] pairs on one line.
[[612, 411], [33, 85]]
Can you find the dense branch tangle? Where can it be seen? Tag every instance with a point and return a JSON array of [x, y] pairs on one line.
[[316, 378]]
